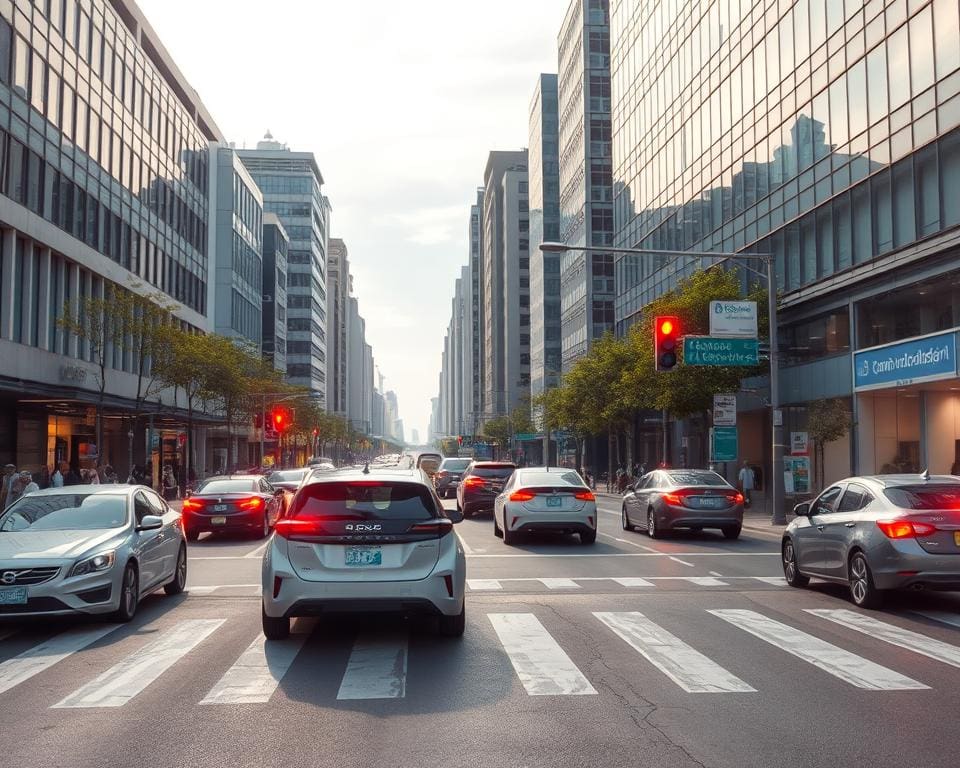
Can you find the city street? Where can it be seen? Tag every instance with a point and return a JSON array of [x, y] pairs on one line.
[[679, 652]]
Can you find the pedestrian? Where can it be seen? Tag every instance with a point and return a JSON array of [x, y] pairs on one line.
[[93, 477], [169, 484], [44, 480], [6, 482], [56, 479], [71, 475], [22, 486], [746, 483]]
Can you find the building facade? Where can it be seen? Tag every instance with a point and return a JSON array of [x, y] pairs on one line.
[[105, 188], [545, 351], [586, 192], [359, 373], [475, 262], [274, 318], [291, 184], [338, 292], [826, 134]]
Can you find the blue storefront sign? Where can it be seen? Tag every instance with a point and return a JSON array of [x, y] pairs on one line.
[[928, 358]]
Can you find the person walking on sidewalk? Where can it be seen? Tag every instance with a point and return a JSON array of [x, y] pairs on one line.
[[746, 483]]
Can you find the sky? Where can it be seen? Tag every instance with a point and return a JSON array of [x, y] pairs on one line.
[[400, 102]]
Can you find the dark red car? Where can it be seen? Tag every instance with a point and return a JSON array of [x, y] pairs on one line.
[[480, 485], [232, 504]]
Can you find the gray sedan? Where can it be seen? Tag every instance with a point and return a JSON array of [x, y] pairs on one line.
[[666, 499], [88, 550], [878, 533]]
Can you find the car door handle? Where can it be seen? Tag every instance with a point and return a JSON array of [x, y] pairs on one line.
[[849, 525]]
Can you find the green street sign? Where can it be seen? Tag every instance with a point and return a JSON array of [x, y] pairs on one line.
[[711, 350], [723, 443], [522, 437]]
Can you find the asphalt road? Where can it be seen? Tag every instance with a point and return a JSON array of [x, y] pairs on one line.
[[687, 651]]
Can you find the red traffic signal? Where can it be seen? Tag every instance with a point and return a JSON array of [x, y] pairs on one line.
[[280, 419], [316, 432], [666, 333], [460, 440]]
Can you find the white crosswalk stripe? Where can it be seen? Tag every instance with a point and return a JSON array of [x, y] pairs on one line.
[[777, 581], [559, 583], [889, 633], [484, 584], [256, 674], [687, 667], [847, 666], [126, 679], [944, 617], [704, 581], [43, 656], [377, 668], [541, 664], [633, 581]]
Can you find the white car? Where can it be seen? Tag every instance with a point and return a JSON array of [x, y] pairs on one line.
[[368, 541], [89, 549], [545, 499]]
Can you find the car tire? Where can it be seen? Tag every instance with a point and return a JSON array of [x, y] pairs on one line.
[[791, 572], [731, 531], [509, 537], [265, 527], [588, 537], [274, 628], [191, 535], [863, 592], [176, 585], [624, 520], [453, 626], [129, 594], [496, 528], [652, 531]]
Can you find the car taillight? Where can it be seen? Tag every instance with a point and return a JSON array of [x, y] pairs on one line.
[[441, 526], [735, 498], [287, 528], [253, 503], [189, 505], [585, 496], [904, 529], [473, 482], [675, 498], [522, 496]]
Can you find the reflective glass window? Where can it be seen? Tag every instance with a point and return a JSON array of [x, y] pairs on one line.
[[921, 51], [946, 29], [877, 83], [898, 58]]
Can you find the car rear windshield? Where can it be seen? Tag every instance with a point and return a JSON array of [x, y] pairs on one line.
[[495, 471], [364, 500], [66, 512], [551, 478], [455, 465], [696, 478], [287, 476], [229, 486], [928, 497]]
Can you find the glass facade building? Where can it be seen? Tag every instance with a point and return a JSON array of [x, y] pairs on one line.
[[274, 317], [826, 133]]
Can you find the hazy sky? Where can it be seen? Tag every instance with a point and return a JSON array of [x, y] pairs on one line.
[[400, 102]]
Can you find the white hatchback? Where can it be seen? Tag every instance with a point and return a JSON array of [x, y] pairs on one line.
[[365, 541], [542, 499]]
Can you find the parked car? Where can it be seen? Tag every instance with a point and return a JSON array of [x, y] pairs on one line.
[[429, 462], [666, 499], [878, 533], [93, 549], [542, 499], [365, 541], [447, 477], [234, 504], [480, 484]]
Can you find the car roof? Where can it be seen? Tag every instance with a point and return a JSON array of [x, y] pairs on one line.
[[237, 477], [385, 474], [899, 480], [100, 488], [493, 464]]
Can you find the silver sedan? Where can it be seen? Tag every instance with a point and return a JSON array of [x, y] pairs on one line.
[[91, 549], [878, 533], [542, 499]]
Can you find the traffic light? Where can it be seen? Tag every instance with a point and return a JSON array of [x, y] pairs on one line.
[[460, 440], [666, 332], [316, 432], [280, 419]]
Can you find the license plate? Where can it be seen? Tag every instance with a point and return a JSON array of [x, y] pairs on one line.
[[364, 557], [218, 520], [13, 596], [554, 501], [711, 501], [219, 507]]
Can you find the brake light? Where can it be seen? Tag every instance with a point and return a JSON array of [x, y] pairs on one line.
[[473, 482], [904, 529], [253, 503], [737, 498], [675, 498], [522, 496], [441, 526], [586, 496], [189, 505], [287, 528]]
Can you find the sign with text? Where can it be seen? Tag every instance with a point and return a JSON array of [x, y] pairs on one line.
[[798, 443], [907, 362], [708, 350], [724, 410], [733, 318], [723, 444]]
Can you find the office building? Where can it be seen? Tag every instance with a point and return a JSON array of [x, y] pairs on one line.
[[828, 135], [359, 365], [586, 197], [291, 184], [474, 392], [339, 288], [274, 318]]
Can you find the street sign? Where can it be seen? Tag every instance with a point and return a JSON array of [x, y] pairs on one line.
[[709, 350], [798, 443], [724, 410], [733, 318], [521, 437], [723, 444]]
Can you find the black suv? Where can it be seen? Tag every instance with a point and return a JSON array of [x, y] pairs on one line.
[[481, 484], [447, 477]]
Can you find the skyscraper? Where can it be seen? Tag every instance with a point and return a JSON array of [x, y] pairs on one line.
[[274, 318], [338, 292]]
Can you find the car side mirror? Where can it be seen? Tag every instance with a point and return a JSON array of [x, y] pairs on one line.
[[150, 523], [454, 515], [802, 509]]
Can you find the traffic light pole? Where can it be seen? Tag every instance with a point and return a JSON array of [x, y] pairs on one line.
[[263, 425]]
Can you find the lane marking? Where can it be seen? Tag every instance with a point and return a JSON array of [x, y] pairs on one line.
[[714, 573], [944, 617], [478, 584], [644, 547], [842, 664], [467, 549], [631, 554], [633, 581], [704, 581], [540, 663], [132, 675], [555, 583], [201, 590], [40, 657], [890, 633], [687, 667], [377, 668], [777, 581], [254, 676], [682, 562], [257, 553], [206, 589]]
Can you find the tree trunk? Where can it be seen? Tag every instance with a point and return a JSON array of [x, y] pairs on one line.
[[611, 480]]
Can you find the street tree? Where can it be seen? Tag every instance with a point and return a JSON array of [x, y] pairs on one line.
[[827, 421]]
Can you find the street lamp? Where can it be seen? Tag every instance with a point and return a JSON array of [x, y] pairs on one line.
[[776, 480]]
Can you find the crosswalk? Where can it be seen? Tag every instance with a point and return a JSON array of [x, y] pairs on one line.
[[697, 651], [629, 582]]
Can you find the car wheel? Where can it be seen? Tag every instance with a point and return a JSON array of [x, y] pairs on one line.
[[179, 581], [624, 520], [730, 531], [129, 594], [265, 527], [274, 628], [652, 531], [496, 528], [192, 535], [509, 537], [588, 537], [791, 573], [453, 626], [862, 590]]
